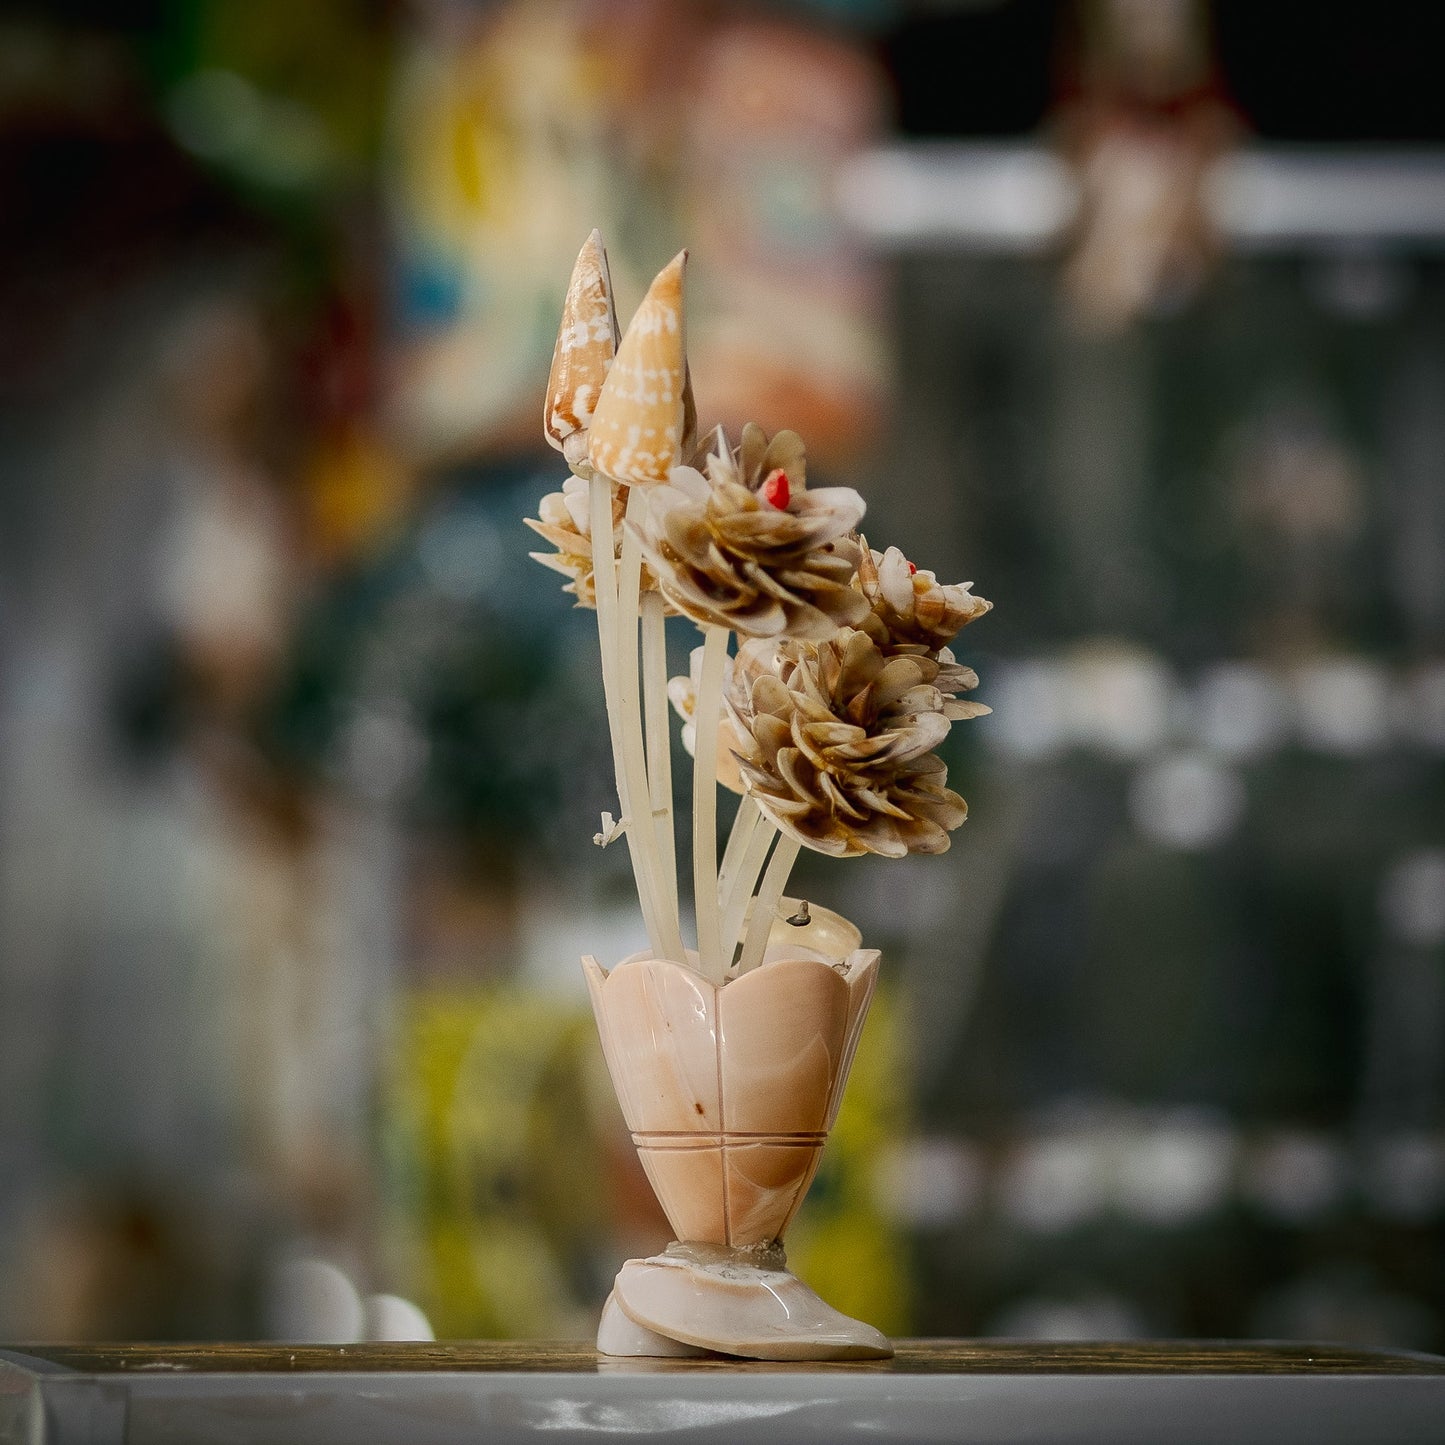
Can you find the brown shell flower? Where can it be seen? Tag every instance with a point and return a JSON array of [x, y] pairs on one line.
[[837, 744], [756, 457], [750, 548], [565, 520], [913, 606], [954, 678], [913, 614]]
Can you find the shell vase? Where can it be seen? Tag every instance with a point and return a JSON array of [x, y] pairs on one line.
[[730, 1091]]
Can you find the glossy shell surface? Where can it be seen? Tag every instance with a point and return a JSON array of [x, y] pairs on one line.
[[586, 345], [637, 428], [762, 1314], [730, 1090]]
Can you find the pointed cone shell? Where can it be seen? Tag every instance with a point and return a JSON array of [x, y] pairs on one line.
[[637, 430], [586, 345]]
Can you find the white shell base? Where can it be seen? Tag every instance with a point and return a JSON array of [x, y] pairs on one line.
[[733, 1309], [618, 1335]]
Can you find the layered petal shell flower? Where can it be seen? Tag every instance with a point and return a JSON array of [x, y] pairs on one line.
[[838, 744], [744, 544]]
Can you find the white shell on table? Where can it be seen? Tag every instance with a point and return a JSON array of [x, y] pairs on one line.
[[586, 345], [637, 429], [618, 1335], [761, 1314]]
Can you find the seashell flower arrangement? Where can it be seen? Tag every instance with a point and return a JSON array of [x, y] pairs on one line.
[[827, 717]]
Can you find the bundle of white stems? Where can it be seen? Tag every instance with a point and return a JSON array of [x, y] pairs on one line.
[[639, 723]]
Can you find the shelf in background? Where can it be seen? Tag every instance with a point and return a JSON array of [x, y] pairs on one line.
[[1011, 197]]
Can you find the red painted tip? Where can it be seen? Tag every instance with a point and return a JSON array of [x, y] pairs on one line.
[[775, 490]]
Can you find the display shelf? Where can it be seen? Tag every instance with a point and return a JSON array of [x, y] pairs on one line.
[[508, 1391]]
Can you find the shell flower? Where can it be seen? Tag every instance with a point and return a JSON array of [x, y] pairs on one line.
[[915, 614], [564, 519], [837, 744], [954, 678], [682, 692], [748, 547], [756, 458], [915, 608]]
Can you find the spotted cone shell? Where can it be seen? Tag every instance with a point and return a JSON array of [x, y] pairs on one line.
[[586, 345], [639, 429]]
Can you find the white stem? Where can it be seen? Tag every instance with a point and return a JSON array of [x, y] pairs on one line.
[[735, 905], [765, 905], [744, 821], [630, 771], [663, 929], [659, 745], [604, 579], [704, 803]]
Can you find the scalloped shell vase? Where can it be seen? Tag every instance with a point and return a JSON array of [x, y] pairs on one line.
[[730, 1091]]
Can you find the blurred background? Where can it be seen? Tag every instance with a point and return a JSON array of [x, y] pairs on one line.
[[1130, 311]]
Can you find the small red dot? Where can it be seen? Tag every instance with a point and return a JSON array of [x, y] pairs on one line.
[[912, 570], [775, 490]]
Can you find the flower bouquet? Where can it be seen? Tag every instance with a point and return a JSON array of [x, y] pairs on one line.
[[729, 1057]]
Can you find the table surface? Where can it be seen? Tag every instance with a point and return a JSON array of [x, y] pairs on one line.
[[914, 1357], [507, 1393]]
